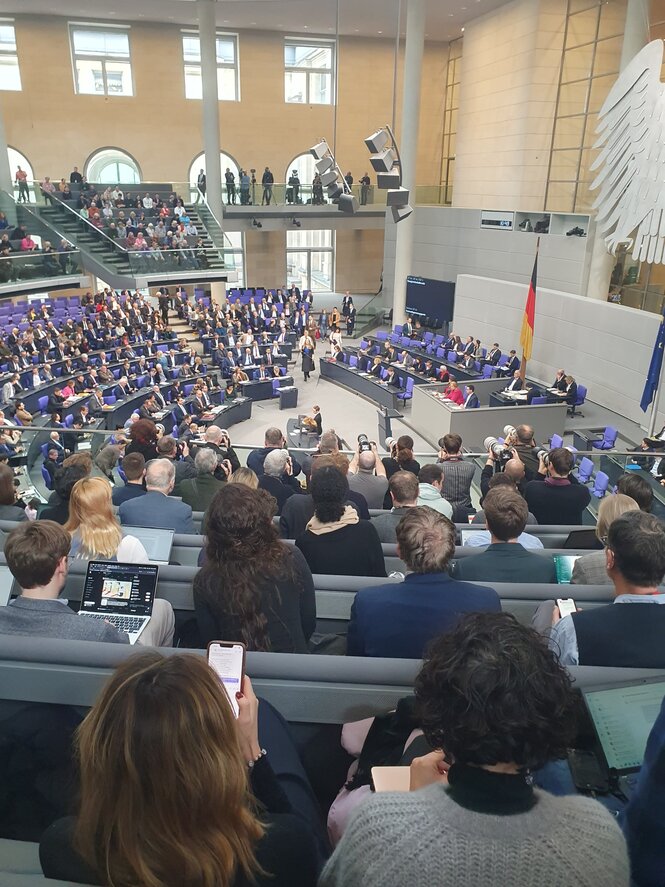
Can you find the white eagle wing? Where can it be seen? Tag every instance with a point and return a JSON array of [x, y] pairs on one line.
[[631, 181]]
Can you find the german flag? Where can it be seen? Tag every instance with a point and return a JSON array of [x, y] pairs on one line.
[[529, 319]]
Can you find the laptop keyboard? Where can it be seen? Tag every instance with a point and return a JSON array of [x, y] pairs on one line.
[[122, 623]]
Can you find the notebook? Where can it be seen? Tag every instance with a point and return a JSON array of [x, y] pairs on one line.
[[122, 594], [623, 716], [157, 542]]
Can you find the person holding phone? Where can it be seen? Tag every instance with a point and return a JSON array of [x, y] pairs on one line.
[[198, 821]]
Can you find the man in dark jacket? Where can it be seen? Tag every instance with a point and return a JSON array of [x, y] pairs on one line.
[[555, 497], [274, 439], [277, 478]]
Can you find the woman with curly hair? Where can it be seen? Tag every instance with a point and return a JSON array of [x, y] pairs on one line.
[[252, 587], [401, 458], [143, 439], [495, 705]]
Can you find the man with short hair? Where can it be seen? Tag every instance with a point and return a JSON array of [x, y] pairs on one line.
[[457, 474], [277, 478], [403, 489], [199, 491], [630, 635], [527, 451], [555, 497], [367, 476], [133, 466], [430, 484], [514, 469], [397, 620], [505, 559], [37, 556], [274, 439], [156, 508], [185, 469]]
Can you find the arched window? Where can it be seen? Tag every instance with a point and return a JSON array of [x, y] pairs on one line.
[[111, 166], [304, 163], [17, 159], [199, 163]]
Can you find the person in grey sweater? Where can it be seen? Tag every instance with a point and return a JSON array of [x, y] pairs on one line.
[[496, 699], [403, 489]]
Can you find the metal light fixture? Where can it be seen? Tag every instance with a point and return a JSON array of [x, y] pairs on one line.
[[385, 160], [296, 222], [332, 179], [256, 223]]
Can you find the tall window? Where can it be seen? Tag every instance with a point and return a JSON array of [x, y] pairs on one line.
[[308, 71], [227, 67], [111, 166], [450, 119], [10, 76], [310, 259], [102, 64], [236, 242]]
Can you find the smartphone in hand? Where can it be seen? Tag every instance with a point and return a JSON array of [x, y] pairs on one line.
[[227, 660]]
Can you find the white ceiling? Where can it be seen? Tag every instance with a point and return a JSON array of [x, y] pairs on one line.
[[369, 18]]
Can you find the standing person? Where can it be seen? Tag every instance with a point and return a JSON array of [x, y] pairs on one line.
[[351, 318], [306, 346], [230, 180], [267, 180], [294, 186], [555, 496], [458, 474], [21, 179], [365, 183], [201, 184], [244, 187]]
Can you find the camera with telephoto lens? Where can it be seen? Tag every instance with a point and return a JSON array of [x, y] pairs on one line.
[[364, 446], [545, 453], [502, 453], [391, 444]]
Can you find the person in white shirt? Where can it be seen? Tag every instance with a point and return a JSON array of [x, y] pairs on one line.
[[148, 202], [516, 384]]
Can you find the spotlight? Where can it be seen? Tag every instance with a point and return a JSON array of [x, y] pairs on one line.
[[256, 223], [398, 197], [296, 222], [401, 212], [347, 203], [384, 160], [335, 191], [329, 178], [325, 164], [388, 180], [319, 151], [378, 141]]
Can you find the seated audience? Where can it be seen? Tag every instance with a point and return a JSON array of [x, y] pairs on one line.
[[277, 478], [457, 473], [274, 440], [336, 541], [399, 619], [627, 633], [472, 813], [245, 476], [134, 469], [482, 537], [198, 492], [590, 569], [401, 457], [252, 587], [639, 489], [555, 496], [9, 510], [37, 556], [143, 439], [72, 470], [299, 510], [367, 476], [157, 508], [505, 559], [403, 491], [95, 531], [229, 821], [430, 484]]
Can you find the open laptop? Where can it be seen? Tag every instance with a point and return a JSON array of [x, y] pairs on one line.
[[122, 594], [157, 542], [466, 535], [7, 585], [622, 716], [563, 567]]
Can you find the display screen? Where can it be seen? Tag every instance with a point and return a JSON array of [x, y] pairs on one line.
[[227, 661], [430, 298], [126, 589]]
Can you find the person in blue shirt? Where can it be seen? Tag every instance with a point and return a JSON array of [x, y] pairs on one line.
[[399, 619]]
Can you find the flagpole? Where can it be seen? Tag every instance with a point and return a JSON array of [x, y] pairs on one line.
[[523, 363]]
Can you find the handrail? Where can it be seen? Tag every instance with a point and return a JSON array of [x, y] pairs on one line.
[[114, 244]]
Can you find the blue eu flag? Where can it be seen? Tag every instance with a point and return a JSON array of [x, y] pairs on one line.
[[653, 376]]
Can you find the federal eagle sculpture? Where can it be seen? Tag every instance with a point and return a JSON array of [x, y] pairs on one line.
[[631, 199]]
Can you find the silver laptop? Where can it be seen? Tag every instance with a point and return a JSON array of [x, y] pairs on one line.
[[466, 535], [7, 585], [157, 542], [623, 716], [122, 594]]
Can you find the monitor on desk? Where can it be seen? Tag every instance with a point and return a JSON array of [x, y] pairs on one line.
[[430, 298]]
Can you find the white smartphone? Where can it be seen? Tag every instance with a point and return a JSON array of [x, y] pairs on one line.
[[566, 606], [227, 660]]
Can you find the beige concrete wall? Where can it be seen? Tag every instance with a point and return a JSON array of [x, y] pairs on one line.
[[510, 72], [359, 259], [56, 129], [265, 258]]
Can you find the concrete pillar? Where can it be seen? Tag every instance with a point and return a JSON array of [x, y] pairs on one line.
[[5, 171], [210, 104], [408, 145], [636, 36], [218, 291]]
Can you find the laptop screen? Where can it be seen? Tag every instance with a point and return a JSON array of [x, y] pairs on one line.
[[563, 567], [125, 589], [157, 542], [466, 535], [623, 717], [7, 585]]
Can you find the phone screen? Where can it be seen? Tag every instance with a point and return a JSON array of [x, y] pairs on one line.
[[566, 606], [227, 660]]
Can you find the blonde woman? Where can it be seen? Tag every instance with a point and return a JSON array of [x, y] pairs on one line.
[[244, 476], [95, 531], [590, 569], [306, 346]]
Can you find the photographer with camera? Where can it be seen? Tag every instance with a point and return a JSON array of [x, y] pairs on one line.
[[555, 496], [218, 440], [277, 478], [274, 439], [367, 474], [177, 452], [457, 474], [522, 441], [502, 459]]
